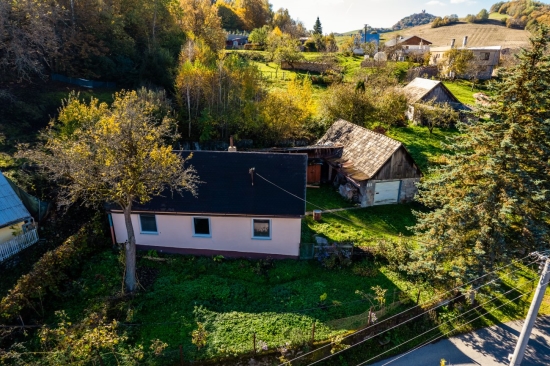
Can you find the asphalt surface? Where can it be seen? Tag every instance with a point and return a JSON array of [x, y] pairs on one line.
[[487, 347]]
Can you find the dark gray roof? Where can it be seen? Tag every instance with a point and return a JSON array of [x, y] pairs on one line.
[[12, 209], [228, 189], [364, 151]]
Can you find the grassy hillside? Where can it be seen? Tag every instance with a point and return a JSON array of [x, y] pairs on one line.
[[491, 34]]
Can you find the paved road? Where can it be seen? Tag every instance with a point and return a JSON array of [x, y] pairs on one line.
[[486, 347]]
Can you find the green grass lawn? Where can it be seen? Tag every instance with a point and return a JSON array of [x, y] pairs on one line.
[[362, 227], [279, 301], [424, 147], [498, 16], [325, 197], [462, 90]]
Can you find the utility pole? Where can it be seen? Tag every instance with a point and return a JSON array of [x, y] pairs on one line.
[[533, 311]]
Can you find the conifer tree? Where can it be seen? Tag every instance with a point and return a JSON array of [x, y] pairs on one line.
[[490, 200], [317, 27]]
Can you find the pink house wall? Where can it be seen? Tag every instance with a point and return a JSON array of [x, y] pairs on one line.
[[229, 233]]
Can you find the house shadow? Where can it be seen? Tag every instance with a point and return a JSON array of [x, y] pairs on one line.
[[487, 347]]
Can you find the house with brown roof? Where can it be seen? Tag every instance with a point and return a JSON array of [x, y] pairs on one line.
[[369, 167], [422, 90], [410, 44]]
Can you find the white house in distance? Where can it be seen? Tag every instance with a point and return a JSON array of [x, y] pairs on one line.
[[486, 58], [17, 228], [250, 205]]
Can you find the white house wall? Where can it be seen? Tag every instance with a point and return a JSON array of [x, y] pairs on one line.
[[229, 234]]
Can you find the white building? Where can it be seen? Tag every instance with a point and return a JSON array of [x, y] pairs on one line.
[[250, 205]]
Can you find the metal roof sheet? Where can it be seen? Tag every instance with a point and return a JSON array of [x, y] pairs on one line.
[[12, 209]]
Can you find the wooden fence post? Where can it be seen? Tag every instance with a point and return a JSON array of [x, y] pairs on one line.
[[418, 297], [181, 355], [370, 316], [254, 340], [313, 333]]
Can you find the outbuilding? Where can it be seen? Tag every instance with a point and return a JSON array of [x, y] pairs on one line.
[[369, 167], [249, 205], [17, 227], [422, 90]]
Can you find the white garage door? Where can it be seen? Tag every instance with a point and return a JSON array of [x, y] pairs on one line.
[[386, 192]]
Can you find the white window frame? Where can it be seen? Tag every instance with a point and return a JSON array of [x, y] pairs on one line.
[[209, 227], [261, 237], [141, 231]]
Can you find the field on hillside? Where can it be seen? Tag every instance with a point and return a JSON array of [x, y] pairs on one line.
[[493, 34]]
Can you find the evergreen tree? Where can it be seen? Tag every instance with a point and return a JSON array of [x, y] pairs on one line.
[[489, 201], [317, 27]]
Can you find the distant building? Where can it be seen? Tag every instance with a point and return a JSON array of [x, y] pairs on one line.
[[486, 58], [235, 41], [410, 44]]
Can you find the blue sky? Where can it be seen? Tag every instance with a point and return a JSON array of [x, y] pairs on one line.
[[347, 15]]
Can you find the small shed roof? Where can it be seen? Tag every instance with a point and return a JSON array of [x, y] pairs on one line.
[[364, 151], [420, 87], [12, 209]]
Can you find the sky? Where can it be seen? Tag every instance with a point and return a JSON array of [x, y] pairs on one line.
[[341, 16]]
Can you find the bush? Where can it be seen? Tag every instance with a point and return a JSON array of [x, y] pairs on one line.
[[51, 271]]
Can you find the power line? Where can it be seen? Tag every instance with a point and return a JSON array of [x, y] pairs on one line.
[[445, 334], [405, 311], [447, 322]]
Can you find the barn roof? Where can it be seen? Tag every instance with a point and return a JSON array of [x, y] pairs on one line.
[[393, 42], [417, 89], [364, 151], [227, 187], [12, 209]]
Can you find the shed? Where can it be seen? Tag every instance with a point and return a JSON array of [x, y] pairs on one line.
[[422, 90], [371, 168], [17, 229]]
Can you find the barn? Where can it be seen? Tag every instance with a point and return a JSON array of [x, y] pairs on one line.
[[369, 167], [422, 90]]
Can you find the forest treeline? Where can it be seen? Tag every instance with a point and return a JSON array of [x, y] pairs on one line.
[[526, 14], [126, 41]]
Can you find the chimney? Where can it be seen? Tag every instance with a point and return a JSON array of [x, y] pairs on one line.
[[453, 43], [465, 41], [231, 147]]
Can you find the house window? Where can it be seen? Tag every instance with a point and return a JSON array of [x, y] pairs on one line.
[[201, 227], [148, 224], [261, 229], [484, 56]]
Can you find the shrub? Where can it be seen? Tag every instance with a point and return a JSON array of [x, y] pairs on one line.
[[51, 271], [334, 256], [365, 269]]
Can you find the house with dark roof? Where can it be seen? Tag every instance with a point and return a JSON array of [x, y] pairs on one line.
[[17, 229], [369, 167], [249, 205], [422, 90]]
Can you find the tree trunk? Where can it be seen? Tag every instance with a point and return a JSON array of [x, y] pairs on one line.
[[130, 251]]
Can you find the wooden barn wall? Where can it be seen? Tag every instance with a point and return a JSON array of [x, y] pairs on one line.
[[439, 94], [400, 166]]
